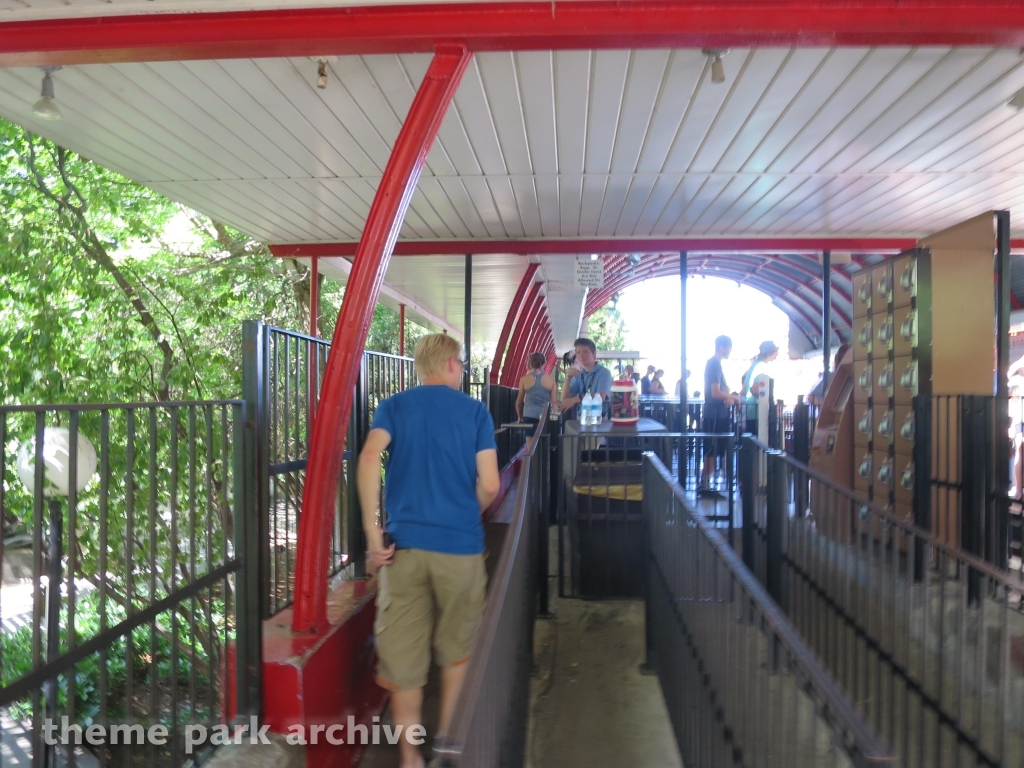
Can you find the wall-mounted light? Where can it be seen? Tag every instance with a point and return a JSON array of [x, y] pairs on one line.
[[46, 107], [717, 67], [1017, 100]]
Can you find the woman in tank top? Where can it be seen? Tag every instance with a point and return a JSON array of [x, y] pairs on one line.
[[535, 389]]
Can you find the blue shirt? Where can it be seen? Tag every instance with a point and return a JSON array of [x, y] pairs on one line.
[[430, 484], [598, 380]]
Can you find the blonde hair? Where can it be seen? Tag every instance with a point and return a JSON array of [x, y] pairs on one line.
[[433, 352]]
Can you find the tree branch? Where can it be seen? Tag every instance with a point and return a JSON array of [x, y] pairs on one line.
[[90, 243]]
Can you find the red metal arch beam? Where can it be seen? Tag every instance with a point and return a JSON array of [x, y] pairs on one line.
[[531, 331], [522, 329], [658, 265], [770, 268], [783, 301], [383, 223], [510, 26], [736, 270], [813, 325], [533, 344], [510, 319], [518, 331]]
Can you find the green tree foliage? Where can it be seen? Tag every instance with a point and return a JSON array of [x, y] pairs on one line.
[[607, 328], [110, 292]]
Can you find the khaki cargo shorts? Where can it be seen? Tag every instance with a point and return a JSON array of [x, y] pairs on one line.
[[427, 600]]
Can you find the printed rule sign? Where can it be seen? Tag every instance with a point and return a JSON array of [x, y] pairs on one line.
[[589, 273]]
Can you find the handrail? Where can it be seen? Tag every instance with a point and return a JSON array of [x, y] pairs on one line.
[[452, 744], [1006, 578], [820, 680]]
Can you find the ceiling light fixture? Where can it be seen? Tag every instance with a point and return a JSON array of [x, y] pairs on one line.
[[46, 107], [717, 67], [1017, 100]]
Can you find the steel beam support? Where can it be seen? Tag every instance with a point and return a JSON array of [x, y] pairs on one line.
[[684, 388], [383, 224], [511, 26], [732, 261], [999, 539], [826, 318], [401, 345], [523, 324], [510, 320], [530, 334], [534, 333], [811, 246], [533, 344], [467, 315]]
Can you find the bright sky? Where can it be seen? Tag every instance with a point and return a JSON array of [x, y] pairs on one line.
[[713, 307]]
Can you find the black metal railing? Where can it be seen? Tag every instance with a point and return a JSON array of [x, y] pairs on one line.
[[927, 639], [969, 453], [282, 374], [138, 603], [741, 686], [489, 723], [600, 543], [501, 401]]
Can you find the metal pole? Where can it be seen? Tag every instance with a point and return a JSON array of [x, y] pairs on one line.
[[776, 520], [53, 581], [748, 491], [469, 321], [826, 318], [401, 346], [683, 406], [1000, 537], [314, 298]]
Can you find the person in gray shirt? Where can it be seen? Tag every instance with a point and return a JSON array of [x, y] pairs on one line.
[[536, 388]]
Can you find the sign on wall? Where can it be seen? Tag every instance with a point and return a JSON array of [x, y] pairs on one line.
[[589, 272]]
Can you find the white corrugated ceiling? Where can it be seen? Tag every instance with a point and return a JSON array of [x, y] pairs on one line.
[[851, 141]]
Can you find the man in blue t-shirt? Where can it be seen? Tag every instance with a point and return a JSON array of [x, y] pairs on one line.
[[586, 376], [442, 472]]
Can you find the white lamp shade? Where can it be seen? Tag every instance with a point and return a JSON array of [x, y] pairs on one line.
[[57, 458]]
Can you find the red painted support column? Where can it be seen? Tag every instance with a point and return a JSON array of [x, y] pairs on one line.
[[313, 370], [519, 336], [375, 247], [510, 320]]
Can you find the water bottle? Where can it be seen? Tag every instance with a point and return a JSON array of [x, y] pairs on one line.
[[597, 415], [586, 410]]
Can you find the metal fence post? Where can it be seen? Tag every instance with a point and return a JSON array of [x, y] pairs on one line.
[[774, 525], [801, 430], [54, 577], [748, 498], [649, 665], [255, 349], [249, 585], [360, 426], [543, 521]]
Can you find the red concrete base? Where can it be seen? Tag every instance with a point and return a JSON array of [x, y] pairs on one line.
[[325, 678]]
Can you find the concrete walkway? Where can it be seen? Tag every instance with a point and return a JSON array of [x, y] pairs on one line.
[[590, 706]]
